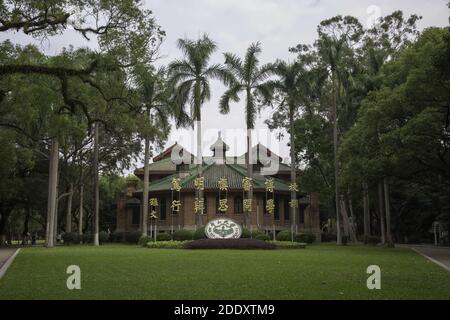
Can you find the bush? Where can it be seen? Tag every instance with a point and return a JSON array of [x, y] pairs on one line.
[[262, 236], [256, 233], [103, 237], [328, 237], [143, 240], [88, 237], [133, 237], [166, 244], [117, 237], [246, 233], [200, 233], [373, 240], [284, 235], [71, 238], [182, 235], [288, 245], [228, 244], [307, 238], [344, 240], [163, 237]]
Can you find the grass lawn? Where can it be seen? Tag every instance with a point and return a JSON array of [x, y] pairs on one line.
[[131, 272]]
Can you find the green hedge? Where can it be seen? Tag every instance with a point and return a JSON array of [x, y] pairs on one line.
[[200, 233], [166, 244], [305, 237], [163, 237], [262, 236], [182, 235], [284, 235], [288, 245], [103, 237], [71, 238], [133, 237], [246, 233]]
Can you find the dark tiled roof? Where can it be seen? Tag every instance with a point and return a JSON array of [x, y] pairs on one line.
[[212, 173]]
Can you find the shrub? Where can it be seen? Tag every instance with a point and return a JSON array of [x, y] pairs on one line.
[[133, 237], [262, 236], [70, 238], [163, 237], [200, 233], [328, 237], [305, 237], [103, 237], [228, 244], [118, 237], [256, 233], [344, 240], [288, 245], [284, 235], [166, 244], [182, 235], [143, 240], [373, 240], [246, 233], [88, 237]]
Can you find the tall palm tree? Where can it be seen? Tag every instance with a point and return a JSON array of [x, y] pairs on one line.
[[155, 105], [250, 78], [293, 87], [190, 78]]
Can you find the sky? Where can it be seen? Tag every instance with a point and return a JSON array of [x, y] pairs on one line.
[[234, 25]]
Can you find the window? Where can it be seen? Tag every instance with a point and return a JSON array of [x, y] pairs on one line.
[[162, 209], [301, 215], [276, 214], [238, 204], [286, 209], [136, 218]]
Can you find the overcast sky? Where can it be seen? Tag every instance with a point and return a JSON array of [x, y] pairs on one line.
[[234, 25]]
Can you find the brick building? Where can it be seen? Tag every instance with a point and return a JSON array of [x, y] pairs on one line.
[[177, 162]]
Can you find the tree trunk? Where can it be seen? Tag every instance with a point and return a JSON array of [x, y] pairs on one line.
[[52, 192], [96, 187], [388, 213], [69, 209], [293, 173], [249, 159], [199, 217], [366, 212], [145, 203], [336, 168], [80, 214], [381, 211], [348, 230]]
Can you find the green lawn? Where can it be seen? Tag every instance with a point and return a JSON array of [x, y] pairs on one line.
[[129, 272]]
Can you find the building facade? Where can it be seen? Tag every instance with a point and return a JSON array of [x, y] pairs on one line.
[[177, 163]]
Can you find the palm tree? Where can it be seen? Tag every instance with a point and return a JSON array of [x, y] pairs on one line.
[[293, 87], [153, 92], [190, 79], [248, 77]]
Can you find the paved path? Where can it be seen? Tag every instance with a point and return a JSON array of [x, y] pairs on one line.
[[5, 253], [7, 256], [439, 255]]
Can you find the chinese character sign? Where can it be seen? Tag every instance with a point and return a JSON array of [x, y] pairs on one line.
[[199, 183], [247, 183], [176, 184]]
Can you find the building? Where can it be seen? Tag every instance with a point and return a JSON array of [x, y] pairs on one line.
[[177, 162]]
